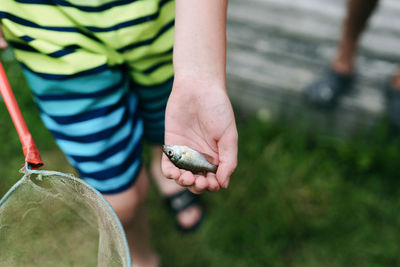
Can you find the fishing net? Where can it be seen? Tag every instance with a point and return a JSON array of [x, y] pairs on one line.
[[53, 219]]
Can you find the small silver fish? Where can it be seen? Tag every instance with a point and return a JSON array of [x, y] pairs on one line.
[[189, 159]]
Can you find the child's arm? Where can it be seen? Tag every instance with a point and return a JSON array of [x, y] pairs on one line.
[[199, 113]]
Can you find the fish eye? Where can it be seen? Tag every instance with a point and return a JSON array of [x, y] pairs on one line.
[[170, 153]]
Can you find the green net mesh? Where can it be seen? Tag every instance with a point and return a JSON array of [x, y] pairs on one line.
[[53, 219]]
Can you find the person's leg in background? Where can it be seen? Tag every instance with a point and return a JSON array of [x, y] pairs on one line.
[[357, 16], [326, 91], [396, 79]]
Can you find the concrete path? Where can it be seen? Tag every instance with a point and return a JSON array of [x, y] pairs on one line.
[[276, 47]]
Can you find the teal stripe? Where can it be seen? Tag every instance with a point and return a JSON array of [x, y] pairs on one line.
[[84, 84], [78, 149], [73, 107], [113, 161], [86, 127], [116, 182]]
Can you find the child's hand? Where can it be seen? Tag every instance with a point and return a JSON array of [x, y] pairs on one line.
[[199, 113], [200, 116]]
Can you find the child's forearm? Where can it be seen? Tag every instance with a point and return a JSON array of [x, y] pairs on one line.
[[200, 40]]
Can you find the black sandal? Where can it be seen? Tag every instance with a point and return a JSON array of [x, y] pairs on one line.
[[181, 201], [327, 90]]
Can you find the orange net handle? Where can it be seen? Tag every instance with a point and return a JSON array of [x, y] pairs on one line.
[[31, 152]]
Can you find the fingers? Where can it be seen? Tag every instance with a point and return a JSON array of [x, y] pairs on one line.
[[198, 183], [186, 179], [213, 185], [168, 169], [227, 148]]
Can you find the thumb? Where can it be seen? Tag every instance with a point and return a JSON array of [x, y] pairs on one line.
[[227, 150]]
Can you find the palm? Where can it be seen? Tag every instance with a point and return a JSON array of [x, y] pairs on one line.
[[205, 122]]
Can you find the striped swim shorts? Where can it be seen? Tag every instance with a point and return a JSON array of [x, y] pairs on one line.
[[101, 73]]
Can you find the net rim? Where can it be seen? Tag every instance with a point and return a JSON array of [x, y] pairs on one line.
[[27, 172]]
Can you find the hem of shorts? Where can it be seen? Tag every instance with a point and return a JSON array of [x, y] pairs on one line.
[[124, 187]]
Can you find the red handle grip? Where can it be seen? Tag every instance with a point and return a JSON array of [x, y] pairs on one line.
[[28, 145]]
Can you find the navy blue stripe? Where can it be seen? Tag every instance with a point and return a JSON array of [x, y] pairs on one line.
[[61, 53], [157, 66], [36, 2], [56, 54], [25, 22], [169, 51], [107, 153], [148, 41], [124, 187], [83, 8], [118, 170], [22, 46], [103, 92], [72, 47], [27, 38], [125, 24], [88, 115], [100, 8], [98, 136], [50, 76], [6, 15]]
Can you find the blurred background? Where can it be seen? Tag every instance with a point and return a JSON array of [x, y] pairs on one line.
[[312, 188]]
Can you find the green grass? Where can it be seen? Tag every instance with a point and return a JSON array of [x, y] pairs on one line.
[[296, 198]]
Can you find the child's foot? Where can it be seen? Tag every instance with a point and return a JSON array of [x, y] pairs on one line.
[[326, 91], [181, 202], [188, 210]]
